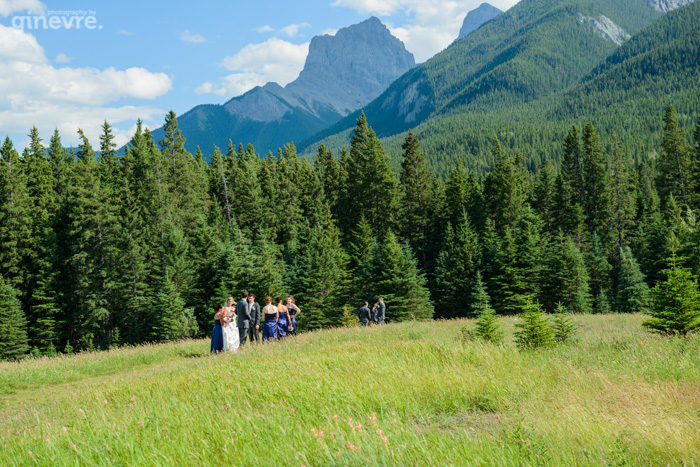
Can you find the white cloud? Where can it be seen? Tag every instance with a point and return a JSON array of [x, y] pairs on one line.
[[329, 31], [256, 64], [68, 118], [16, 44], [265, 28], [7, 7], [234, 84], [34, 92], [431, 25], [187, 36], [124, 32], [293, 29], [62, 58]]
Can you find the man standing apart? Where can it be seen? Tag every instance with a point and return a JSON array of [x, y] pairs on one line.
[[379, 311], [364, 314], [254, 319], [243, 312]]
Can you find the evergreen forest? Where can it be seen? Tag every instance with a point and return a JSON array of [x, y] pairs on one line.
[[100, 249]]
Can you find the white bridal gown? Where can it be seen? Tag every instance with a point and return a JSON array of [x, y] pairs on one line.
[[230, 331]]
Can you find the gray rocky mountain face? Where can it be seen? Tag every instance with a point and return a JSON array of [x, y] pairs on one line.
[[342, 73], [477, 17], [667, 5], [606, 28]]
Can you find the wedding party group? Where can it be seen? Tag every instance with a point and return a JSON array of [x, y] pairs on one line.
[[234, 323]]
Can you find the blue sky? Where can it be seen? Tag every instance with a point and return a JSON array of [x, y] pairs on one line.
[[139, 59]]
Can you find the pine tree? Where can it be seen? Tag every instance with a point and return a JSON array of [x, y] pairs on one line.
[[633, 292], [88, 252], [675, 302], [13, 331], [573, 170], [595, 180], [544, 196], [563, 329], [506, 189], [486, 326], [457, 194], [457, 265], [622, 194], [322, 281], [533, 329], [417, 201], [674, 166], [569, 215], [15, 220], [328, 172], [393, 274], [268, 277], [566, 279], [600, 269], [109, 163], [371, 189], [174, 320]]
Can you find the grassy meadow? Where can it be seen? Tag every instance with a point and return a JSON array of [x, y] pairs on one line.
[[404, 394]]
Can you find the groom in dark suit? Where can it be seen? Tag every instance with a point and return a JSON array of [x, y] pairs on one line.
[[243, 313]]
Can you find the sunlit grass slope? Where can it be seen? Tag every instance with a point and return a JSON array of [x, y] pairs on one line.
[[406, 394]]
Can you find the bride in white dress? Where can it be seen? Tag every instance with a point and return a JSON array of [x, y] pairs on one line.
[[230, 328]]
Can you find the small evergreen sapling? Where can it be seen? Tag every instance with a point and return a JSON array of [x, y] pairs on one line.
[[563, 328], [675, 302], [533, 330], [487, 327]]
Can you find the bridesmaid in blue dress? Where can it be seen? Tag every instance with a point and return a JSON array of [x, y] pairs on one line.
[[270, 317], [217, 335], [293, 313], [284, 319]]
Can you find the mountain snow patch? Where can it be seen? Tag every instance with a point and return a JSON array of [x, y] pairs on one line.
[[607, 28]]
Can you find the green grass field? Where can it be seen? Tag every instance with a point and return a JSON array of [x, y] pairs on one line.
[[406, 394]]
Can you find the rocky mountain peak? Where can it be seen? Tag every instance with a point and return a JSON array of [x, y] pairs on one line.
[[352, 67], [475, 18]]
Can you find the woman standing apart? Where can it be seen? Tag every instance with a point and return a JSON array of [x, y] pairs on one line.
[[293, 313], [270, 316], [217, 337], [284, 319]]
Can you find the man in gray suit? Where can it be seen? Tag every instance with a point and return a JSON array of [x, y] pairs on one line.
[[379, 311], [364, 314], [243, 313], [254, 319]]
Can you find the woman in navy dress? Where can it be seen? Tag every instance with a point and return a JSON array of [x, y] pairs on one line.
[[284, 319], [217, 335], [293, 313], [270, 317]]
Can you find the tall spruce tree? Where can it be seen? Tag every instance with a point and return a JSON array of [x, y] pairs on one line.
[[371, 189], [16, 249], [393, 273], [506, 188], [633, 292], [417, 201], [595, 180], [622, 194], [322, 280], [457, 265], [674, 164], [13, 324], [566, 279], [600, 269]]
